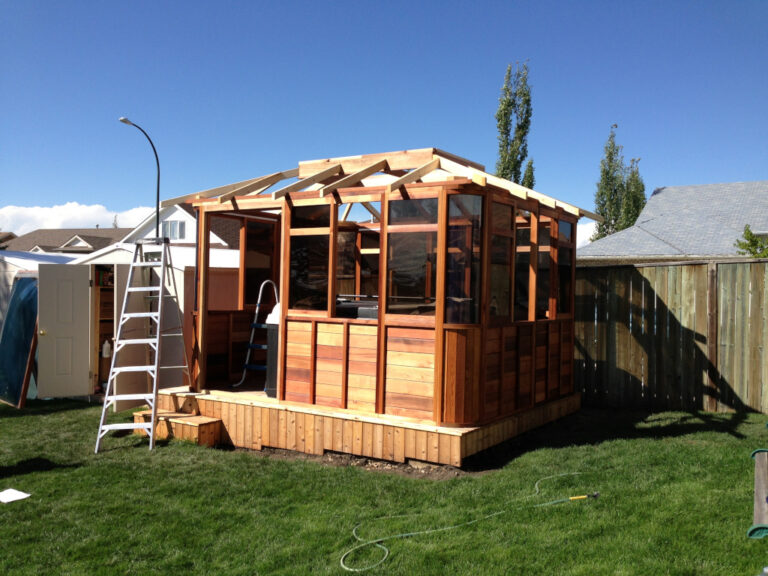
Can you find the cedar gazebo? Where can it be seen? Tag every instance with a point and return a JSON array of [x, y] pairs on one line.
[[426, 308]]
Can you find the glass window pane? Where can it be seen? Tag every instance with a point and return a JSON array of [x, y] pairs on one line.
[[413, 211], [565, 231], [502, 216], [311, 216], [259, 250], [543, 274], [309, 273], [462, 278], [544, 229], [345, 263], [369, 265], [564, 274], [411, 273], [501, 276], [522, 264]]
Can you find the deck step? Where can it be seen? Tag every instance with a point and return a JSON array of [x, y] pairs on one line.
[[202, 430]]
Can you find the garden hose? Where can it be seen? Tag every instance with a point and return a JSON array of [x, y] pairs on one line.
[[379, 542]]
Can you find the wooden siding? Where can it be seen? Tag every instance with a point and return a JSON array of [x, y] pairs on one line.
[[671, 337], [410, 372]]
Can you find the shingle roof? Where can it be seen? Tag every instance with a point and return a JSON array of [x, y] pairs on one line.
[[50, 239], [688, 222]]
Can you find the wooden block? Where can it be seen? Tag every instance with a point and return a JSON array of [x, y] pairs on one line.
[[300, 431], [290, 441], [328, 433], [399, 444], [433, 446], [444, 449], [338, 435], [282, 430], [319, 431], [368, 439], [421, 445], [388, 447], [410, 443], [347, 436]]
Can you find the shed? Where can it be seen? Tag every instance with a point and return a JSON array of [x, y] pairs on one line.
[[426, 307]]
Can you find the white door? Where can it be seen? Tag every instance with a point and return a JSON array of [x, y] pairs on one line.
[[64, 320]]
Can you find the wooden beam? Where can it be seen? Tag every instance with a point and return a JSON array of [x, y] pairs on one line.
[[207, 193], [414, 175], [375, 213], [308, 181], [402, 160], [259, 185], [354, 178]]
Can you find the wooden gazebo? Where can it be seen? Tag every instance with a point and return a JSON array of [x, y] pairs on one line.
[[434, 326]]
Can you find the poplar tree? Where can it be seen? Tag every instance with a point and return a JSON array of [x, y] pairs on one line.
[[634, 196], [513, 121], [528, 178], [610, 188]]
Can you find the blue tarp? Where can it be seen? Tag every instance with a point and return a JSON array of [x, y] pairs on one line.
[[16, 338]]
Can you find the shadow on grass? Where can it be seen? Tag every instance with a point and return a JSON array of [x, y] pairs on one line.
[[32, 465], [42, 407], [594, 426]]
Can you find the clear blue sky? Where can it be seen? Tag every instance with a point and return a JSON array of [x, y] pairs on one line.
[[233, 90]]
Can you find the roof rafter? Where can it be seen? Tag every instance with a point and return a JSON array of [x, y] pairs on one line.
[[414, 175], [354, 178], [207, 193], [304, 182], [259, 185]]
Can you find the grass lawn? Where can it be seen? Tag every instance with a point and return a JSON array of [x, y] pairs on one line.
[[675, 498]]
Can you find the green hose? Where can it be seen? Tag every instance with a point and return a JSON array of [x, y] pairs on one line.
[[378, 542]]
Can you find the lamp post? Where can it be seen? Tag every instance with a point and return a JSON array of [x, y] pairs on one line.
[[125, 120]]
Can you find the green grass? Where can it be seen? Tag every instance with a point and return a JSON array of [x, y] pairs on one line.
[[675, 498]]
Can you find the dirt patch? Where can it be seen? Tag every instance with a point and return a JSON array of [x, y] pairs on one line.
[[410, 468]]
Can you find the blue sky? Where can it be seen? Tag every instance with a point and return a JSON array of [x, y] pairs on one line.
[[233, 90]]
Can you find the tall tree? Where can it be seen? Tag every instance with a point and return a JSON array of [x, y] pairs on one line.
[[513, 121], [752, 245], [610, 188], [634, 196], [529, 180]]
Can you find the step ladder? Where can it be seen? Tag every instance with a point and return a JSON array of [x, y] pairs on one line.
[[255, 325], [150, 281]]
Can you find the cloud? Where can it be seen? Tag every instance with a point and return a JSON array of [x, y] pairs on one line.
[[584, 232], [23, 219]]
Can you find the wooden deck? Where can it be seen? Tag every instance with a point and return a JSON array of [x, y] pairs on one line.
[[254, 421]]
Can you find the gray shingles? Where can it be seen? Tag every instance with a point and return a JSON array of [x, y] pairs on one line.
[[687, 222]]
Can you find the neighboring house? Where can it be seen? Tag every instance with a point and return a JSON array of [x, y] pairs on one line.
[[66, 240], [686, 223]]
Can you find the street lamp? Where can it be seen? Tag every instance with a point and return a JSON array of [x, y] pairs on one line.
[[125, 120]]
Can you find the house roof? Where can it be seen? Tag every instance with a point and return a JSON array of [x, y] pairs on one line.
[[685, 222], [55, 239]]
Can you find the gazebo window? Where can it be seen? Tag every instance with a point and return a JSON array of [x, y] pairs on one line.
[[544, 269], [411, 256], [463, 265], [310, 249], [522, 263], [565, 267], [502, 251]]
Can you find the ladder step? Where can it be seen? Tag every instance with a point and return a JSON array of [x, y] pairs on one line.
[[179, 367], [259, 347], [129, 315], [256, 367], [128, 426], [143, 289], [151, 263], [119, 369], [172, 335], [127, 342], [257, 325], [118, 397]]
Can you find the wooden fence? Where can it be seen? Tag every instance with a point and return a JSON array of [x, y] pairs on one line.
[[690, 336]]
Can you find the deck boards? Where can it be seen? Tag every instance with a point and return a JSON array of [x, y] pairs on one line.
[[254, 422]]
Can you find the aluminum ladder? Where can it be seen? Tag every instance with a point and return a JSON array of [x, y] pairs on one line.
[[255, 325], [153, 289]]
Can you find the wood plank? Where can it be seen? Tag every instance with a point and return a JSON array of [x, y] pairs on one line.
[[411, 387], [354, 178], [318, 176], [410, 373], [414, 175], [257, 185]]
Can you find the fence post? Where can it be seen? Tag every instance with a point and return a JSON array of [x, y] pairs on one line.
[[710, 398]]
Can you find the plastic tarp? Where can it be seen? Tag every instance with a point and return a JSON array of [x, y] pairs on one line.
[[16, 338]]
